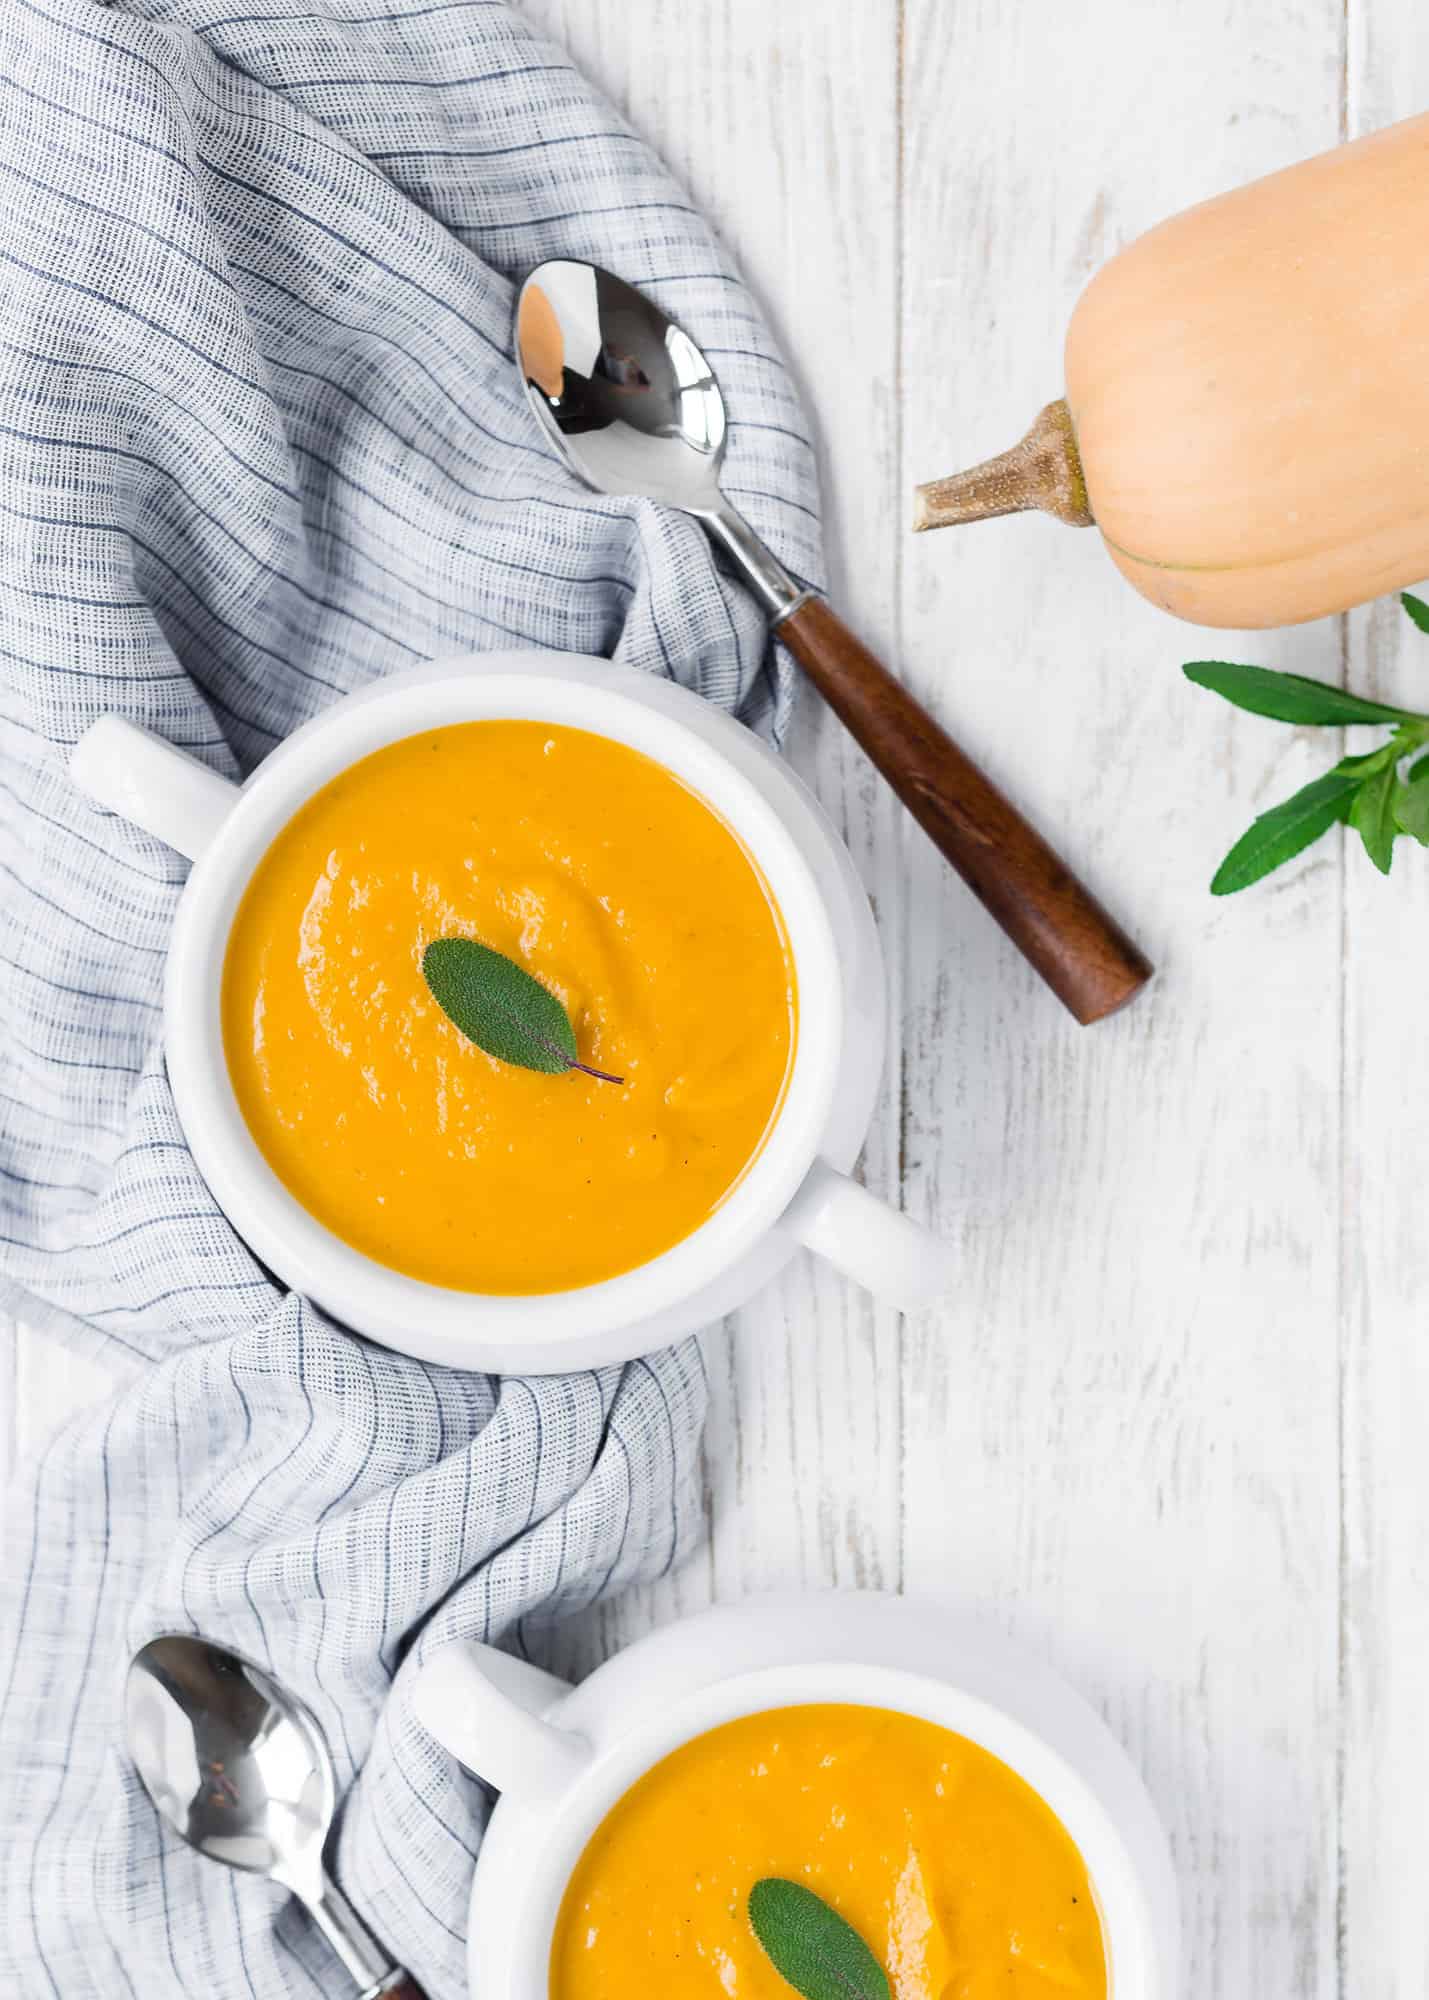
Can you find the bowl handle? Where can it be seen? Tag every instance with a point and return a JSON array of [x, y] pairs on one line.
[[868, 1241], [486, 1708], [144, 779]]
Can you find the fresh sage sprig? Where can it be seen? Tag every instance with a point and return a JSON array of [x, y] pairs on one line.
[[810, 1944], [498, 1005], [1367, 792]]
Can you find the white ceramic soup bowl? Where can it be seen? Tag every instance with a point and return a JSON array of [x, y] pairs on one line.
[[795, 1191], [561, 1757]]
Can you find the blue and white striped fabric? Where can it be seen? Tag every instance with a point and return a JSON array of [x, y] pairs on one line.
[[260, 441]]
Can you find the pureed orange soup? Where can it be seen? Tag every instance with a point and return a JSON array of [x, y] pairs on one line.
[[962, 1883], [611, 882]]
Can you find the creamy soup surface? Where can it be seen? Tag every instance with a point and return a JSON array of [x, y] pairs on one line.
[[617, 887], [962, 1882]]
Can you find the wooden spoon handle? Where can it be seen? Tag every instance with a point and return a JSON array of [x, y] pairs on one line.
[[1087, 959]]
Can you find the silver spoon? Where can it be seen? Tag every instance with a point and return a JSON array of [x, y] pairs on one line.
[[633, 407], [239, 1767]]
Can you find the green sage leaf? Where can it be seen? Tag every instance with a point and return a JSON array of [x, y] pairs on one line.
[[498, 1005], [1417, 609], [1372, 815], [1289, 697], [810, 1944], [1366, 766], [1280, 834], [1411, 807]]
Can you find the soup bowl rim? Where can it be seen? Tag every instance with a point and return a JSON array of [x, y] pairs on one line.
[[584, 1325], [856, 1648]]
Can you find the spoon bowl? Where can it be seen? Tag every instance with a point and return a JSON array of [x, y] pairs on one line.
[[620, 390], [238, 1767], [233, 1763], [632, 405]]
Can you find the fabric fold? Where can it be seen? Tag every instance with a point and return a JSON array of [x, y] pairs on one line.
[[261, 441]]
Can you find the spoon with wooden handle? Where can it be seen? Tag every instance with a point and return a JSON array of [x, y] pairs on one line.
[[633, 407]]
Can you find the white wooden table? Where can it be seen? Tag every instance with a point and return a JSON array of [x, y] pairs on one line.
[[1172, 1432]]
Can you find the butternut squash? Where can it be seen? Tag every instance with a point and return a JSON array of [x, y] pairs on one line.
[[1247, 398]]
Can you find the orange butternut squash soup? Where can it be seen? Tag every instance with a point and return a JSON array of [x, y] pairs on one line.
[[614, 885], [963, 1884]]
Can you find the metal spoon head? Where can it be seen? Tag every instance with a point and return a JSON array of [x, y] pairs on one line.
[[624, 395], [230, 1759]]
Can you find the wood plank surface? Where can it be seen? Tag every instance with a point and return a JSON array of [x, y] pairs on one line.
[[1122, 1443], [1384, 1764]]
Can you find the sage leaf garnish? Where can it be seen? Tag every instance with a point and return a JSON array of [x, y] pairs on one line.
[[810, 1945], [1366, 790], [498, 1005]]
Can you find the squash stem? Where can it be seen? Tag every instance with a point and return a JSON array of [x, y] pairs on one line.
[[1044, 470]]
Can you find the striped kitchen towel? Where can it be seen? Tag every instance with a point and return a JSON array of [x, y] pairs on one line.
[[261, 440]]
